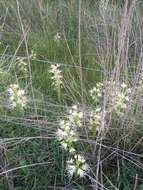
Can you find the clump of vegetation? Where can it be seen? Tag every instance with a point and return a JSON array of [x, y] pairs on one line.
[[71, 91]]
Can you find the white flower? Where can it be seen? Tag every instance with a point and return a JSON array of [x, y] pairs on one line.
[[20, 93], [129, 90], [64, 130], [67, 136], [57, 75], [119, 98], [74, 107], [54, 68], [10, 91], [16, 96], [72, 150], [57, 37], [103, 5], [96, 92], [123, 85], [71, 169], [75, 116], [64, 145], [118, 95], [77, 165]]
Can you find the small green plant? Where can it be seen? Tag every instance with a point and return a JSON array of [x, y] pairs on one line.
[[117, 95], [56, 79], [84, 147], [77, 166], [17, 97], [67, 135]]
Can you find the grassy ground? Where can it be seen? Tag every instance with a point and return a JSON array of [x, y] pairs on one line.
[[96, 44]]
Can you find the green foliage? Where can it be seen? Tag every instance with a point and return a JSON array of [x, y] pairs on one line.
[[28, 135]]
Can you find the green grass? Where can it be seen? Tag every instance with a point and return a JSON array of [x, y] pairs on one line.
[[36, 128]]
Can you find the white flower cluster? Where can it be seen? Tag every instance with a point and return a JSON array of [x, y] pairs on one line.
[[96, 92], [103, 5], [67, 135], [17, 96], [57, 75], [118, 96], [57, 37], [77, 165], [75, 116]]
